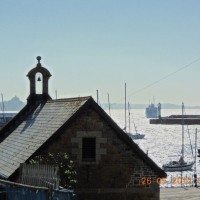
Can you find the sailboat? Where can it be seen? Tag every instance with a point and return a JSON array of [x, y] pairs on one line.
[[5, 116], [136, 135], [2, 114], [181, 164]]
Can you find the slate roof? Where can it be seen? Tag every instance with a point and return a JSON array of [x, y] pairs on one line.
[[34, 131], [47, 120]]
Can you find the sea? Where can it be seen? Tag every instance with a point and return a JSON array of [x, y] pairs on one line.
[[163, 143]]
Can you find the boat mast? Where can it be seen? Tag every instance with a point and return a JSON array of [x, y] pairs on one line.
[[3, 108], [109, 104], [195, 166], [125, 108], [183, 130], [129, 116], [129, 113], [97, 97], [56, 94]]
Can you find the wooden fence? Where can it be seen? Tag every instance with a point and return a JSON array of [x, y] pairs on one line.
[[36, 182], [39, 175]]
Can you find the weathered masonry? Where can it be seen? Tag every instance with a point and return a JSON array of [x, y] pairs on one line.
[[109, 164]]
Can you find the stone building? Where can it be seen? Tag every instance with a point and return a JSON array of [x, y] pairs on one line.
[[109, 164]]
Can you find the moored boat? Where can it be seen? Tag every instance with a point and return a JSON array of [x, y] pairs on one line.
[[179, 165]]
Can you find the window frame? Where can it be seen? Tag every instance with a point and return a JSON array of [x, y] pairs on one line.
[[89, 149]]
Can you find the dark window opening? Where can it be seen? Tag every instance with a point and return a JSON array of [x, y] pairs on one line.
[[89, 149], [39, 83]]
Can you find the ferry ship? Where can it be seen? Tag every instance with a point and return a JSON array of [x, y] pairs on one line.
[[153, 111]]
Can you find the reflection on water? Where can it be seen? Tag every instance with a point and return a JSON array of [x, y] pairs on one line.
[[163, 142]]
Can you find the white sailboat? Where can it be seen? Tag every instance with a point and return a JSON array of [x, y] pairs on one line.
[[135, 135], [181, 164]]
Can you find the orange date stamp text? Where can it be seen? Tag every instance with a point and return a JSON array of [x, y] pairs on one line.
[[174, 180]]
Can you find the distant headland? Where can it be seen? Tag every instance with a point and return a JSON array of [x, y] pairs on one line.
[[143, 106], [15, 104]]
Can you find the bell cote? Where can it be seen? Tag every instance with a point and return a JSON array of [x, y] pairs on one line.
[[32, 75]]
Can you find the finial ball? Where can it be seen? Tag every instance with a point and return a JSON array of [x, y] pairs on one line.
[[39, 58]]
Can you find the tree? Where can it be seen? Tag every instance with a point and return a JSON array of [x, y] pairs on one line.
[[66, 167]]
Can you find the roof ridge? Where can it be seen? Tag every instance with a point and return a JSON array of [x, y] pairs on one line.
[[72, 98]]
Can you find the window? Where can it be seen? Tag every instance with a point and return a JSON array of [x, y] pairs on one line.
[[89, 149]]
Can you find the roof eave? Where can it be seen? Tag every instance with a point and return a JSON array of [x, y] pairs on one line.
[[129, 141]]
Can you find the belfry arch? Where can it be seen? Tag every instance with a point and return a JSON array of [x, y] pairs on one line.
[[38, 83], [42, 75]]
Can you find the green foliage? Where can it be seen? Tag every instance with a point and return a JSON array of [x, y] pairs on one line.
[[66, 167]]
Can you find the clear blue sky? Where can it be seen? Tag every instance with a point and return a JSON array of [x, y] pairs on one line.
[[89, 45]]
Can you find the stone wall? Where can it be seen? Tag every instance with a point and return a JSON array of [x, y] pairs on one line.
[[118, 172]]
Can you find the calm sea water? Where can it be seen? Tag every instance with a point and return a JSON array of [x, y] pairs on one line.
[[163, 142]]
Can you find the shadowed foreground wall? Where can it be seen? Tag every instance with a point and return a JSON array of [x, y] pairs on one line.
[[117, 172]]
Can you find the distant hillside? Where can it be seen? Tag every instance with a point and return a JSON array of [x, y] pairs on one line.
[[143, 106], [15, 104]]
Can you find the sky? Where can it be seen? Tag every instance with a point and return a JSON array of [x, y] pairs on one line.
[[91, 45]]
